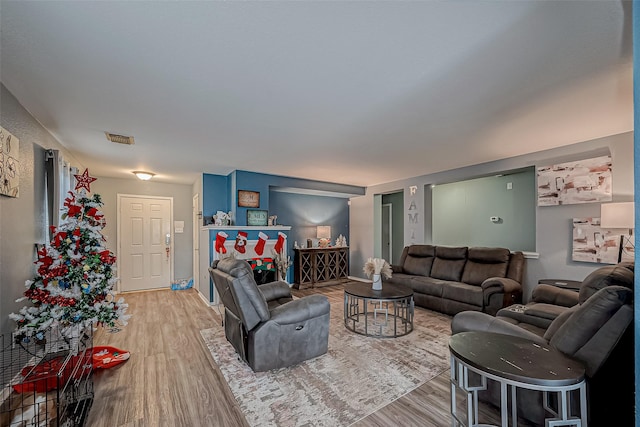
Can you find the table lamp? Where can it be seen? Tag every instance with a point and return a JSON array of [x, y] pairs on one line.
[[619, 215], [323, 235]]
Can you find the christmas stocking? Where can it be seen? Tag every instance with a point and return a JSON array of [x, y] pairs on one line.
[[241, 241], [221, 237], [280, 243], [262, 239]]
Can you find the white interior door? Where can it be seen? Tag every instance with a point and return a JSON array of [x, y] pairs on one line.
[[145, 257]]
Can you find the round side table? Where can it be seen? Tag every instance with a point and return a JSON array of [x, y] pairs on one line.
[[514, 363]]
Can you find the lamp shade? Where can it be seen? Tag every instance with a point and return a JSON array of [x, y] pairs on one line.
[[324, 232], [617, 215]]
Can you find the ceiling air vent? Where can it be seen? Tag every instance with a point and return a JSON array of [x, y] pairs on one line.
[[119, 139]]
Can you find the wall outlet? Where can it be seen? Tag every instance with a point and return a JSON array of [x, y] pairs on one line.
[[509, 185]]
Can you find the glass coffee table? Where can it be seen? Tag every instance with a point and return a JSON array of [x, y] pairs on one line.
[[387, 313]]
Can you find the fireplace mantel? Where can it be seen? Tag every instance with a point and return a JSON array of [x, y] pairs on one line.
[[246, 227]]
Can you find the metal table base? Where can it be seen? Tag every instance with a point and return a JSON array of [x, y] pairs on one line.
[[378, 317]]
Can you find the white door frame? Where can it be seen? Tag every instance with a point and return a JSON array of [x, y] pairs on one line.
[[120, 196]]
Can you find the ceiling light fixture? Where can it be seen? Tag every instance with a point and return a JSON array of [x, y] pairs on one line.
[[144, 176], [120, 139]]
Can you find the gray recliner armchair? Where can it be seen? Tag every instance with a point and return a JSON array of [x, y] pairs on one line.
[[268, 329], [598, 331]]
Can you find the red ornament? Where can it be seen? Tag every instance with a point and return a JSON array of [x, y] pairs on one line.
[[57, 240], [84, 180], [74, 210]]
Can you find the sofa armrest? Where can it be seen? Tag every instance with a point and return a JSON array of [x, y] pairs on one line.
[[500, 284], [275, 290], [549, 294], [397, 269], [301, 310], [476, 321], [508, 288]]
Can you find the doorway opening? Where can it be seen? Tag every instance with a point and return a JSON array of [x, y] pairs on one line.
[[389, 226]]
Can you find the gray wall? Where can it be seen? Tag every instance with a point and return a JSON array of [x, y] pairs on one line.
[[461, 212], [109, 188], [22, 219], [553, 223]]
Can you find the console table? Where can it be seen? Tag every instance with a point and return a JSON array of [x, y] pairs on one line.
[[317, 267], [517, 363]]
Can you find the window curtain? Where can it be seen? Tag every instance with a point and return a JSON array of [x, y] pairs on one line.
[[59, 181]]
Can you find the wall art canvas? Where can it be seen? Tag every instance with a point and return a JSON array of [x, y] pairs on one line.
[[583, 181], [592, 243], [9, 163]]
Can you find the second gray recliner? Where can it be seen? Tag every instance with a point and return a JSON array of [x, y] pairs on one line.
[[597, 331]]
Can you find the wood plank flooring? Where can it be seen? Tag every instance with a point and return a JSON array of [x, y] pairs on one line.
[[172, 380]]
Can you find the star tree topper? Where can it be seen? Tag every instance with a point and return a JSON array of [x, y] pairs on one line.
[[84, 180]]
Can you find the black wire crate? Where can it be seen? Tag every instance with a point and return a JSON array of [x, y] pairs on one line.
[[46, 381]]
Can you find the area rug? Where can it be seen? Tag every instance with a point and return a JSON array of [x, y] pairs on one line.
[[357, 376]]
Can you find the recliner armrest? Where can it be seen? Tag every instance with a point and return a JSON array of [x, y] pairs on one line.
[[300, 310], [549, 294], [275, 290], [476, 321], [501, 284], [495, 285]]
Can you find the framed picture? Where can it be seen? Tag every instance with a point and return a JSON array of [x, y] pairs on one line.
[[257, 217], [592, 243], [9, 164], [248, 199], [584, 181]]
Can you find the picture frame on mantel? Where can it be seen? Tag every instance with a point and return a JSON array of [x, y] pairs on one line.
[[248, 199], [257, 217]]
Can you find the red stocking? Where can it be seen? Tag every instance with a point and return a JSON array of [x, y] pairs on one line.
[[241, 241], [221, 237], [262, 239], [280, 243]]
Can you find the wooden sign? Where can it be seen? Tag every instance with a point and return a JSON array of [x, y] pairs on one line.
[[248, 199]]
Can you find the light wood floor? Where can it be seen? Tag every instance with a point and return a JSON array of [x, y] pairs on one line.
[[172, 380]]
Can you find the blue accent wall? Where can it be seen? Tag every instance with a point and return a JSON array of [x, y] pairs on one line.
[[304, 212], [262, 182], [215, 189], [221, 192], [636, 168]]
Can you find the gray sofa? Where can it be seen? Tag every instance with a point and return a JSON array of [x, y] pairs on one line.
[[597, 331], [268, 329], [455, 279]]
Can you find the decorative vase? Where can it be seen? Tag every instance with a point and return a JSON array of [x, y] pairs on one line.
[[377, 283]]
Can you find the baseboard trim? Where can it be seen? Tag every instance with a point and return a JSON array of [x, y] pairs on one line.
[[204, 299]]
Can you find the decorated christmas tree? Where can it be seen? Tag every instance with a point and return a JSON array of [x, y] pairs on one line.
[[73, 287]]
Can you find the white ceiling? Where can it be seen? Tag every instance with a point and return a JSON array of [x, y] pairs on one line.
[[360, 92]]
